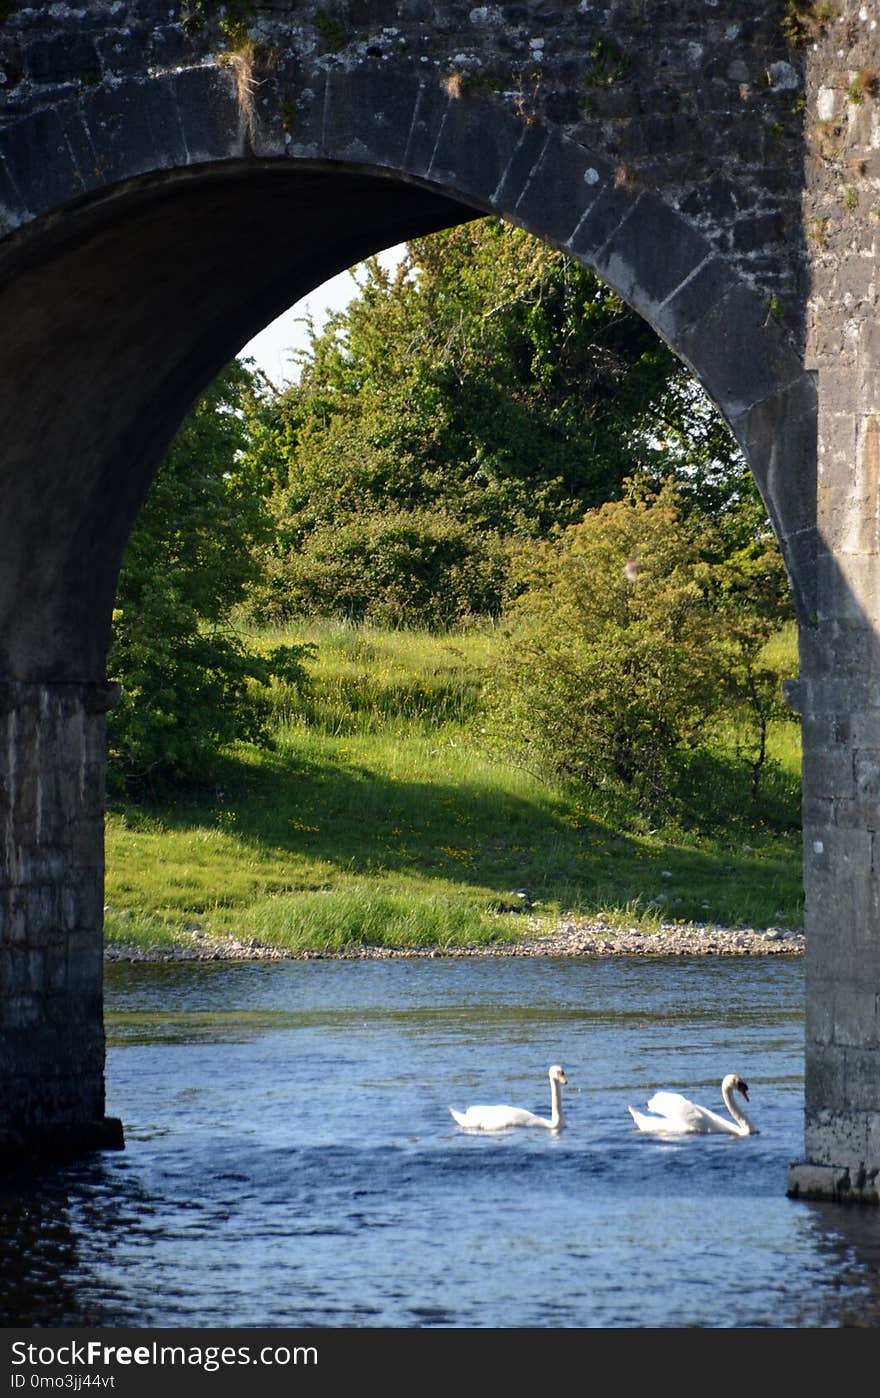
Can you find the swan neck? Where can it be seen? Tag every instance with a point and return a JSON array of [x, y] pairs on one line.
[[556, 1117], [739, 1116]]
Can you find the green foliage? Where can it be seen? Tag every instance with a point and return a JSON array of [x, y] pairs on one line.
[[490, 381], [631, 640], [194, 14], [186, 677], [806, 20], [606, 64], [863, 85], [333, 31], [380, 806], [404, 567]]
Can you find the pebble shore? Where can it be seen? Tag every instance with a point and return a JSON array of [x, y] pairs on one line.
[[569, 938]]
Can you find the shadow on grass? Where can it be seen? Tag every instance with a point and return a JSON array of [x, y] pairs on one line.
[[519, 851]]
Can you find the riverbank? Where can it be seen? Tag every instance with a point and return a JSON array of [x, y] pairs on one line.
[[384, 822], [570, 938]]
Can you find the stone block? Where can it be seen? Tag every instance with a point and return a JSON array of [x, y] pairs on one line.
[[210, 117], [430, 106], [856, 813], [463, 161], [838, 1139], [740, 354], [809, 1181], [160, 113], [778, 435], [861, 1078], [85, 972], [800, 551], [561, 190], [832, 697], [821, 730], [652, 254], [518, 169], [844, 852], [37, 164], [23, 1011], [56, 970], [819, 1009], [826, 1072], [839, 392], [857, 1022], [866, 773], [168, 48], [593, 237], [67, 57], [13, 973], [756, 231], [369, 114], [14, 928], [826, 776], [846, 587], [853, 653], [864, 728]]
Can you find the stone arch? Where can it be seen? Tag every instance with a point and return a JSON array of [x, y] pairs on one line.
[[160, 191], [225, 216]]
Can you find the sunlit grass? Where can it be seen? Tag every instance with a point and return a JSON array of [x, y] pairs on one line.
[[381, 818]]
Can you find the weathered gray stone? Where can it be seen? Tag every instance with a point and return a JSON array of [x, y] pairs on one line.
[[162, 198]]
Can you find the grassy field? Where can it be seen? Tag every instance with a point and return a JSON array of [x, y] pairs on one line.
[[384, 817]]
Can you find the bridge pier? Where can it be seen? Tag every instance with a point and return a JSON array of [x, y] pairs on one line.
[[841, 775], [838, 696], [52, 764]]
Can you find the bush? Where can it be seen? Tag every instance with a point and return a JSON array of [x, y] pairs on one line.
[[404, 568], [627, 643]]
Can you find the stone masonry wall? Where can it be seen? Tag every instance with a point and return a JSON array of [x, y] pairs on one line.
[[51, 910], [702, 99], [745, 139], [840, 654]]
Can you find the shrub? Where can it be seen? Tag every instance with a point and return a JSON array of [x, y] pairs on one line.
[[626, 644], [403, 568]]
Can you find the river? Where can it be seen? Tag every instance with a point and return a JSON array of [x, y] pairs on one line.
[[291, 1161]]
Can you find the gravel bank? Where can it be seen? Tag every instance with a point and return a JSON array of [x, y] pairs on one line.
[[568, 939]]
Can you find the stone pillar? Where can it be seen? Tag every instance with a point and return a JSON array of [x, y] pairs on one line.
[[840, 699], [838, 696], [52, 763], [839, 689]]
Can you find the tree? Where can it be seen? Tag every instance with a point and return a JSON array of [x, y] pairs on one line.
[[184, 672], [489, 380]]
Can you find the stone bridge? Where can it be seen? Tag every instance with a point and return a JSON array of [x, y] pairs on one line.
[[175, 173]]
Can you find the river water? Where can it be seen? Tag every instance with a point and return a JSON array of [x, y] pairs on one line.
[[291, 1161]]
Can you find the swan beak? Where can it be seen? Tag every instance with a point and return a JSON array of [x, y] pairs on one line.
[[744, 1089], [563, 1078]]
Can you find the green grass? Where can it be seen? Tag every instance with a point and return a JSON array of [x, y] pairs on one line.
[[381, 818]]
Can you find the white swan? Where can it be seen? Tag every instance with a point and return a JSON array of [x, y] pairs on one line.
[[501, 1118], [676, 1115]]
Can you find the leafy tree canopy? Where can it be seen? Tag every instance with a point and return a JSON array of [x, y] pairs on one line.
[[492, 381], [184, 672]]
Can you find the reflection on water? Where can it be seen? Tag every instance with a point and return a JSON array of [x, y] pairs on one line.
[[291, 1161]]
